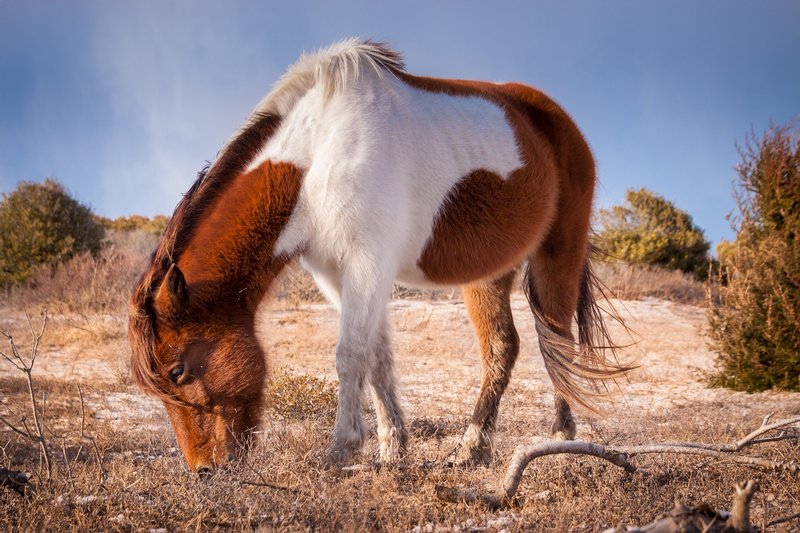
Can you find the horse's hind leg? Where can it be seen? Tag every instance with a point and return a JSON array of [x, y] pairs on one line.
[[489, 309], [392, 432], [553, 284]]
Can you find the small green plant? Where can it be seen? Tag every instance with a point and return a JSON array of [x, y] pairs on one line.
[[651, 230], [754, 329], [40, 223], [300, 396]]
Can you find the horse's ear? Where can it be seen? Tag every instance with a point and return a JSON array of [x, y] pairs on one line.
[[172, 297]]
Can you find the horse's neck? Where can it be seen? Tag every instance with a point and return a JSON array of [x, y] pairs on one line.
[[230, 257]]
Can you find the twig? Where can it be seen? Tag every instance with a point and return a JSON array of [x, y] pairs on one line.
[[66, 462], [789, 518], [525, 454], [14, 428], [19, 362], [100, 472], [268, 485]]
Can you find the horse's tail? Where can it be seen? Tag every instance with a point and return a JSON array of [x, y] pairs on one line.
[[580, 373]]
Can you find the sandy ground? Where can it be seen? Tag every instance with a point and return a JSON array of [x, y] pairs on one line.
[[439, 369]]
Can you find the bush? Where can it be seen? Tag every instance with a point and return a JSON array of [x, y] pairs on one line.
[[41, 224], [651, 230], [754, 330], [153, 226], [99, 283]]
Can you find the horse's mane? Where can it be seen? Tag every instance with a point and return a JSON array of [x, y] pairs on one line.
[[334, 68]]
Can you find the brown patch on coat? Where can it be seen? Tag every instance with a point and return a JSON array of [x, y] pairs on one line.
[[229, 259], [488, 225], [541, 212]]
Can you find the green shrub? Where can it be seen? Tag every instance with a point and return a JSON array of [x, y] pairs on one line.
[[650, 230], [40, 223], [154, 226], [755, 328]]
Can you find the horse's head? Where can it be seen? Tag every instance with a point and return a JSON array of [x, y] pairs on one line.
[[204, 364]]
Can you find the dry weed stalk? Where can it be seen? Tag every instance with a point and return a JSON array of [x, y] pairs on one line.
[[25, 365], [619, 455], [85, 436]]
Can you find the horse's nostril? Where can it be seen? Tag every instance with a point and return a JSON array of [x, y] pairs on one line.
[[204, 471], [231, 457]]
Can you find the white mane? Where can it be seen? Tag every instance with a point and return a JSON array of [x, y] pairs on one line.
[[333, 67]]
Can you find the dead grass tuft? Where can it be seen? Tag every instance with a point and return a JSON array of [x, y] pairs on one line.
[[295, 397], [636, 282], [89, 284]]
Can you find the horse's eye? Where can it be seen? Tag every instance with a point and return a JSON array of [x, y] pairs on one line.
[[176, 373]]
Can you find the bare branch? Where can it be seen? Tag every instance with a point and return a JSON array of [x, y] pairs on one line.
[[15, 429], [764, 429], [709, 451], [789, 518], [619, 455], [13, 362], [525, 454], [20, 364]]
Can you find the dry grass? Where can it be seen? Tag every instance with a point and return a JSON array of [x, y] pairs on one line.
[[635, 282], [285, 483]]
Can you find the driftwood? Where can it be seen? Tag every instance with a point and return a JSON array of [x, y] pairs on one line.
[[16, 481], [703, 518], [620, 456]]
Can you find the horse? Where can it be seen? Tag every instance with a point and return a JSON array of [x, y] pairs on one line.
[[371, 175]]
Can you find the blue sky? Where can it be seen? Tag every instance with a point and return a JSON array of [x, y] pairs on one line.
[[123, 102]]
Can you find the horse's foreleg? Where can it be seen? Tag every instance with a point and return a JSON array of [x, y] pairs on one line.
[[489, 309], [349, 432], [365, 292], [392, 432]]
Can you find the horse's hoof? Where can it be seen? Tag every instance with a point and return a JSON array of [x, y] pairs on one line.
[[475, 449], [567, 432], [392, 449], [478, 454], [339, 456]]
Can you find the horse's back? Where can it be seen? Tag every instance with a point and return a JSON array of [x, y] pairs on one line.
[[446, 181]]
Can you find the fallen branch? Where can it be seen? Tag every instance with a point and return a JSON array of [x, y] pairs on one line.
[[703, 518], [620, 455], [16, 481]]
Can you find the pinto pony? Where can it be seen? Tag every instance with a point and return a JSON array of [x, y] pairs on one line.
[[368, 175]]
